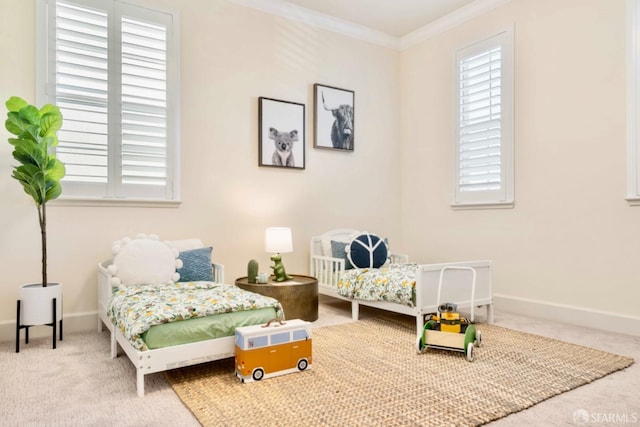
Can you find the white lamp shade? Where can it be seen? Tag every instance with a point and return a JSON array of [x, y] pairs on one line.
[[278, 240]]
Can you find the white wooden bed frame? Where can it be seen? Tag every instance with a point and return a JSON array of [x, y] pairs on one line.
[[456, 286], [161, 359]]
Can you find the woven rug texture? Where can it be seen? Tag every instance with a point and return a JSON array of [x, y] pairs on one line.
[[368, 373]]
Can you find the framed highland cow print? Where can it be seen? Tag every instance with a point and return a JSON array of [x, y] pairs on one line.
[[281, 133], [333, 117]]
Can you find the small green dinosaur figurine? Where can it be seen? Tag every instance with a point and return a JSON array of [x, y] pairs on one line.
[[278, 269]]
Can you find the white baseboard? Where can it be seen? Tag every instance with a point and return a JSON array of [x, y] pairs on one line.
[[589, 318], [596, 319], [78, 322]]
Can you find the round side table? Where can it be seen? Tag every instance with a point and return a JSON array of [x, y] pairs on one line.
[[299, 296]]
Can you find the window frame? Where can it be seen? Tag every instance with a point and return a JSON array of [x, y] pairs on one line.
[[505, 196], [80, 193], [633, 102]]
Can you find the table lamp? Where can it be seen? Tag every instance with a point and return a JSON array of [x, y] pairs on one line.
[[278, 240]]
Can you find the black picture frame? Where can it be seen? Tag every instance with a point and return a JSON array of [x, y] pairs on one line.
[[333, 117], [281, 124]]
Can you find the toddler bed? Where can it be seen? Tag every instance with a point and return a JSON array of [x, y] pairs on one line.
[[392, 283], [162, 323]]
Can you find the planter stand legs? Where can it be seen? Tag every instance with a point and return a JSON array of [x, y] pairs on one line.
[[26, 327]]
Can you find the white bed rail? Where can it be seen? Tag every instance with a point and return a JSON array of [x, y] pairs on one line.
[[395, 258], [218, 273], [327, 270]]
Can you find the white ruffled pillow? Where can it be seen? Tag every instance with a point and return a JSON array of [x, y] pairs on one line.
[[142, 261]]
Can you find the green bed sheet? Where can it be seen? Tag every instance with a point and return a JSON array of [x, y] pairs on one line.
[[204, 328]]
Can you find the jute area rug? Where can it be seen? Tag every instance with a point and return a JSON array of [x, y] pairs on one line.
[[368, 373]]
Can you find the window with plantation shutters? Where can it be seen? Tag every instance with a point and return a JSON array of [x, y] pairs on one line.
[[111, 68], [484, 123]]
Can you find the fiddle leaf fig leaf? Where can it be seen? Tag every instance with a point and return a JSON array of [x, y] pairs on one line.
[[14, 123], [30, 114], [50, 123], [15, 104], [53, 191], [55, 170]]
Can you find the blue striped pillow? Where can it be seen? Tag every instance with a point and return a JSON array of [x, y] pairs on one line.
[[338, 251]]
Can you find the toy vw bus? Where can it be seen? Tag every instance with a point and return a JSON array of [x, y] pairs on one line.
[[277, 348]]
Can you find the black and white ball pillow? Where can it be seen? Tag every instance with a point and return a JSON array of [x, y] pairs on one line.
[[367, 251]]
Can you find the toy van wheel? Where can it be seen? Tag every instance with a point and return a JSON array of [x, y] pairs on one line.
[[478, 339], [470, 352], [302, 364], [257, 374]]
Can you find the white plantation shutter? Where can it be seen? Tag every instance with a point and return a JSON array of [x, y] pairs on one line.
[[144, 103], [112, 71], [484, 162], [81, 88], [480, 125]]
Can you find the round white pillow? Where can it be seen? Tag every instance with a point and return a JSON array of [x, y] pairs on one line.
[[144, 261]]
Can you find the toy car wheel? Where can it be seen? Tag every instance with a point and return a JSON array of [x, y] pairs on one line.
[[302, 364], [257, 374], [478, 339], [470, 352]]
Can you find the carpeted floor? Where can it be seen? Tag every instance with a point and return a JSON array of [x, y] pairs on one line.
[[368, 373]]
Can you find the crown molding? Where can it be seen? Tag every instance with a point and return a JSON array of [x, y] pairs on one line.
[[447, 22], [321, 20], [326, 22]]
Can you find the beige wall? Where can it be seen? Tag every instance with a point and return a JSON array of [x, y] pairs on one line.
[[571, 238], [231, 55]]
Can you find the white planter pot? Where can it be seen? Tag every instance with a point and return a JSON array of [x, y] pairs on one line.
[[36, 303]]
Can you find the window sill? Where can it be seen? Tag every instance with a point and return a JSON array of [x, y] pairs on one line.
[[633, 200], [483, 205], [144, 203]]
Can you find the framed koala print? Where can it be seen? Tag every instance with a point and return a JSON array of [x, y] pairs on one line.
[[281, 133]]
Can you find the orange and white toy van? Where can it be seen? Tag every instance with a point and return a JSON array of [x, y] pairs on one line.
[[277, 348]]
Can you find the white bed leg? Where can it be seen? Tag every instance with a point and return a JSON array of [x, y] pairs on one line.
[[99, 324], [419, 324], [140, 382], [114, 345], [489, 313], [355, 310]]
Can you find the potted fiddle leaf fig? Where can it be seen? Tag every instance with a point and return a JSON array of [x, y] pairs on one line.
[[39, 172]]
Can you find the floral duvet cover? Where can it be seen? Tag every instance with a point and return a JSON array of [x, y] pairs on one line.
[[135, 309], [392, 283]]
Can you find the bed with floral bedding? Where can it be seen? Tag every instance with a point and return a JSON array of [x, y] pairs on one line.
[[394, 283], [166, 305], [358, 266], [136, 310]]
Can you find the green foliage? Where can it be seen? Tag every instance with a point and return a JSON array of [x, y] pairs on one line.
[[36, 130], [39, 171]]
